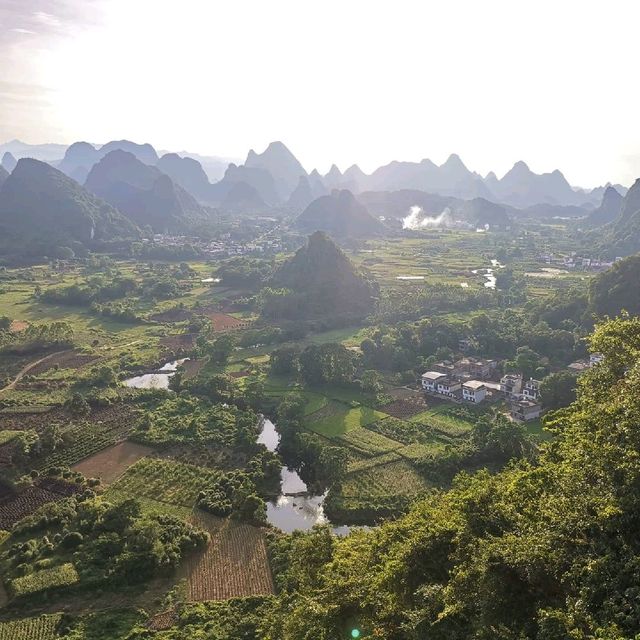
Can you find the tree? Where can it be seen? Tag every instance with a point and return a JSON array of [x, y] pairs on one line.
[[371, 381], [222, 348], [285, 360], [558, 390], [78, 406]]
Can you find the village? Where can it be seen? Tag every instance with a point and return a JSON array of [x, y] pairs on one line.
[[476, 380]]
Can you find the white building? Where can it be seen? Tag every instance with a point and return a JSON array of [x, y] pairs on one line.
[[595, 358], [430, 380], [448, 387], [531, 389], [511, 384], [474, 391]]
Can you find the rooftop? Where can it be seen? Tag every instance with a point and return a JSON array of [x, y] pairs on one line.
[[433, 375], [474, 384]]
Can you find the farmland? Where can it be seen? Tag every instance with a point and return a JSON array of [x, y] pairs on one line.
[[366, 442], [110, 463], [63, 575], [233, 565], [43, 627], [164, 481]]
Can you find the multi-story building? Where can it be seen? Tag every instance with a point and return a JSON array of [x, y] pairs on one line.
[[430, 379], [474, 391], [525, 410], [511, 384]]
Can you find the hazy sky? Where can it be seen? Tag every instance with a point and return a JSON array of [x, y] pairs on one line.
[[550, 82]]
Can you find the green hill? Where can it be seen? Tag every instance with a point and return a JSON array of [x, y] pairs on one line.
[[320, 282], [41, 209]]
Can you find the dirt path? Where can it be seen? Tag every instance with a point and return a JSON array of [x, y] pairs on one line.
[[24, 371]]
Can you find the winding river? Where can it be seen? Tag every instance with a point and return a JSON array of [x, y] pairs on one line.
[[295, 508]]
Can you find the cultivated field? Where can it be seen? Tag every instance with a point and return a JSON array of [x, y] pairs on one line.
[[233, 565], [43, 627], [109, 464], [165, 481]]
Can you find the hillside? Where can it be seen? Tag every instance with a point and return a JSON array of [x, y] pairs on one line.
[[340, 215], [188, 173], [4, 174], [41, 208], [143, 193], [320, 282], [608, 210], [8, 161], [622, 236], [80, 157]]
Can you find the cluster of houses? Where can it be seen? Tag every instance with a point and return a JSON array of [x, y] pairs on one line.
[[221, 248], [575, 261], [470, 380]]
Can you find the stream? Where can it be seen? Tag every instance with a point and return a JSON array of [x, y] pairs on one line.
[[295, 508], [158, 379]]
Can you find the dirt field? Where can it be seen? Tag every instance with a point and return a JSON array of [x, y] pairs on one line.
[[173, 315], [109, 464], [233, 565], [225, 322], [18, 506], [405, 408], [68, 360], [177, 342], [18, 325]]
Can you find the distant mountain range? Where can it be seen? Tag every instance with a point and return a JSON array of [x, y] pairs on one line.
[[275, 174]]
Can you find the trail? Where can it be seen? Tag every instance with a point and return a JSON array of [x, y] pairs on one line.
[[23, 372]]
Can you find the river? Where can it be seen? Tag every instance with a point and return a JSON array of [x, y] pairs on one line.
[[295, 508]]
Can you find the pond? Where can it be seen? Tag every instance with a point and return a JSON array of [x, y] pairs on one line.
[[489, 273], [295, 507], [156, 380]]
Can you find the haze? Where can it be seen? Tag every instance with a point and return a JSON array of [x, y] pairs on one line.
[[344, 82]]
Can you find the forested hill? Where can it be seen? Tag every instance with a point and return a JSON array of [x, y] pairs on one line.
[[320, 282], [541, 551], [42, 210]]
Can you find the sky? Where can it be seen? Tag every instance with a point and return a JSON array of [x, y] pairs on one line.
[[338, 81]]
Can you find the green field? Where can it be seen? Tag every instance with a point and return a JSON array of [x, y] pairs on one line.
[[338, 418], [165, 481]]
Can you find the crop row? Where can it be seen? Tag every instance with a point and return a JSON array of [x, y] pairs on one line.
[[165, 481], [62, 575], [43, 627]]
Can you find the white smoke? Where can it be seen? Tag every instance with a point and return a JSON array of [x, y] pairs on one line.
[[418, 220]]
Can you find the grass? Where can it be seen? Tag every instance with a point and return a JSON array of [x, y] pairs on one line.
[[439, 419], [7, 435], [341, 419], [397, 478], [369, 442]]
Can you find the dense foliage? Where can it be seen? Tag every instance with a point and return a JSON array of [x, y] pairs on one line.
[[545, 550]]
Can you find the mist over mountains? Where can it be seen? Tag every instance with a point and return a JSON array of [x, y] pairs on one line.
[[169, 192]]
